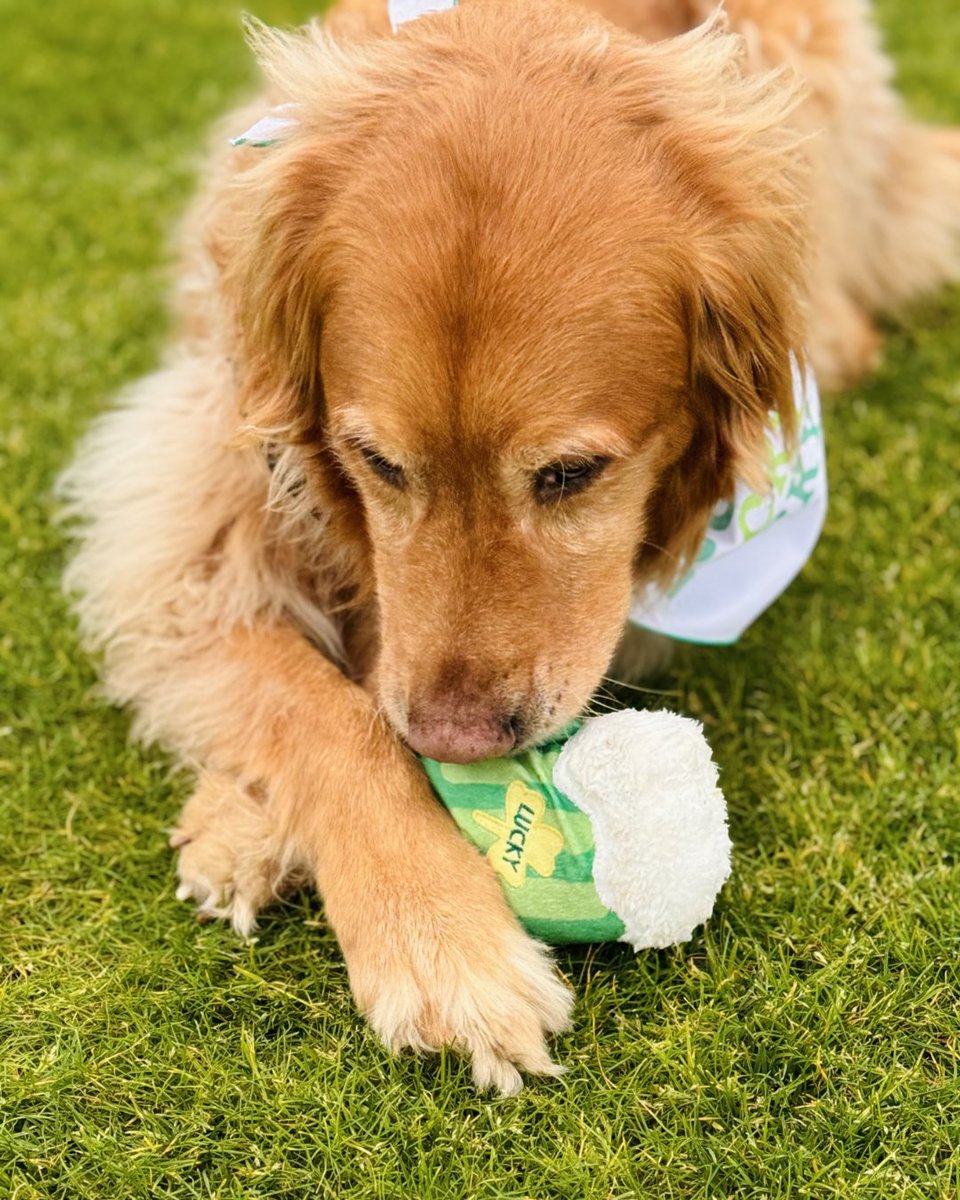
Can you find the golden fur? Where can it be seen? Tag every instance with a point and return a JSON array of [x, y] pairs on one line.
[[510, 242]]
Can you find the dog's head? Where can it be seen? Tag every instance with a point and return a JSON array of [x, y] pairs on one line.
[[525, 288]]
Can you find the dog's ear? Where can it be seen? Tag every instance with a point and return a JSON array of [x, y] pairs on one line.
[[330, 99], [743, 336], [279, 296], [732, 171]]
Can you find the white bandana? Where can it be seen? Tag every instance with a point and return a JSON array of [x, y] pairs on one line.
[[402, 11], [756, 544], [270, 128]]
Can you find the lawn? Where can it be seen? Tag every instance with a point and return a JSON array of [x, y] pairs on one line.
[[804, 1045]]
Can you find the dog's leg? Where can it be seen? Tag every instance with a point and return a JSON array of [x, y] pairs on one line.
[[434, 955], [231, 860], [640, 655]]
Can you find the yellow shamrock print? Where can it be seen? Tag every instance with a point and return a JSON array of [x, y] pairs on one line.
[[522, 837]]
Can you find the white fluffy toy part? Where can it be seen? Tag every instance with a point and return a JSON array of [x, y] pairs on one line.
[[648, 783]]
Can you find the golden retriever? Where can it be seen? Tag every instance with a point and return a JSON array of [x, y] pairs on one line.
[[463, 358]]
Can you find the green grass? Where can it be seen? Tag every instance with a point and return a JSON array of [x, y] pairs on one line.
[[805, 1045]]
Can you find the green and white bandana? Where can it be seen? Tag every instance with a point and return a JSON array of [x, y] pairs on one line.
[[402, 11], [756, 544], [271, 127]]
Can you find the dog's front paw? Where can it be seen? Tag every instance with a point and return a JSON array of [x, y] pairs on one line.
[[493, 994], [229, 863]]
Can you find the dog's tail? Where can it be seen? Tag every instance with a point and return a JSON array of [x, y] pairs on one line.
[[886, 191], [916, 238]]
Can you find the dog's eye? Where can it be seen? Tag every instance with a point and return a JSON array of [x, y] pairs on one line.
[[389, 472], [561, 479]]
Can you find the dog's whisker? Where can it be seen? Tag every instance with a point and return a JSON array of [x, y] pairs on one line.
[[377, 717], [636, 687], [596, 707], [664, 550]]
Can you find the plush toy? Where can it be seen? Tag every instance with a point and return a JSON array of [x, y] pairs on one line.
[[618, 833]]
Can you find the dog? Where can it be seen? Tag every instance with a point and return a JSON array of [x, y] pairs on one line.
[[466, 355]]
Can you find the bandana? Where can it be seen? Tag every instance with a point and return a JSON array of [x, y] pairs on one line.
[[756, 543], [270, 128], [402, 11]]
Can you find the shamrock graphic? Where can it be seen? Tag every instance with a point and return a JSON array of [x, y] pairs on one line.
[[522, 838]]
